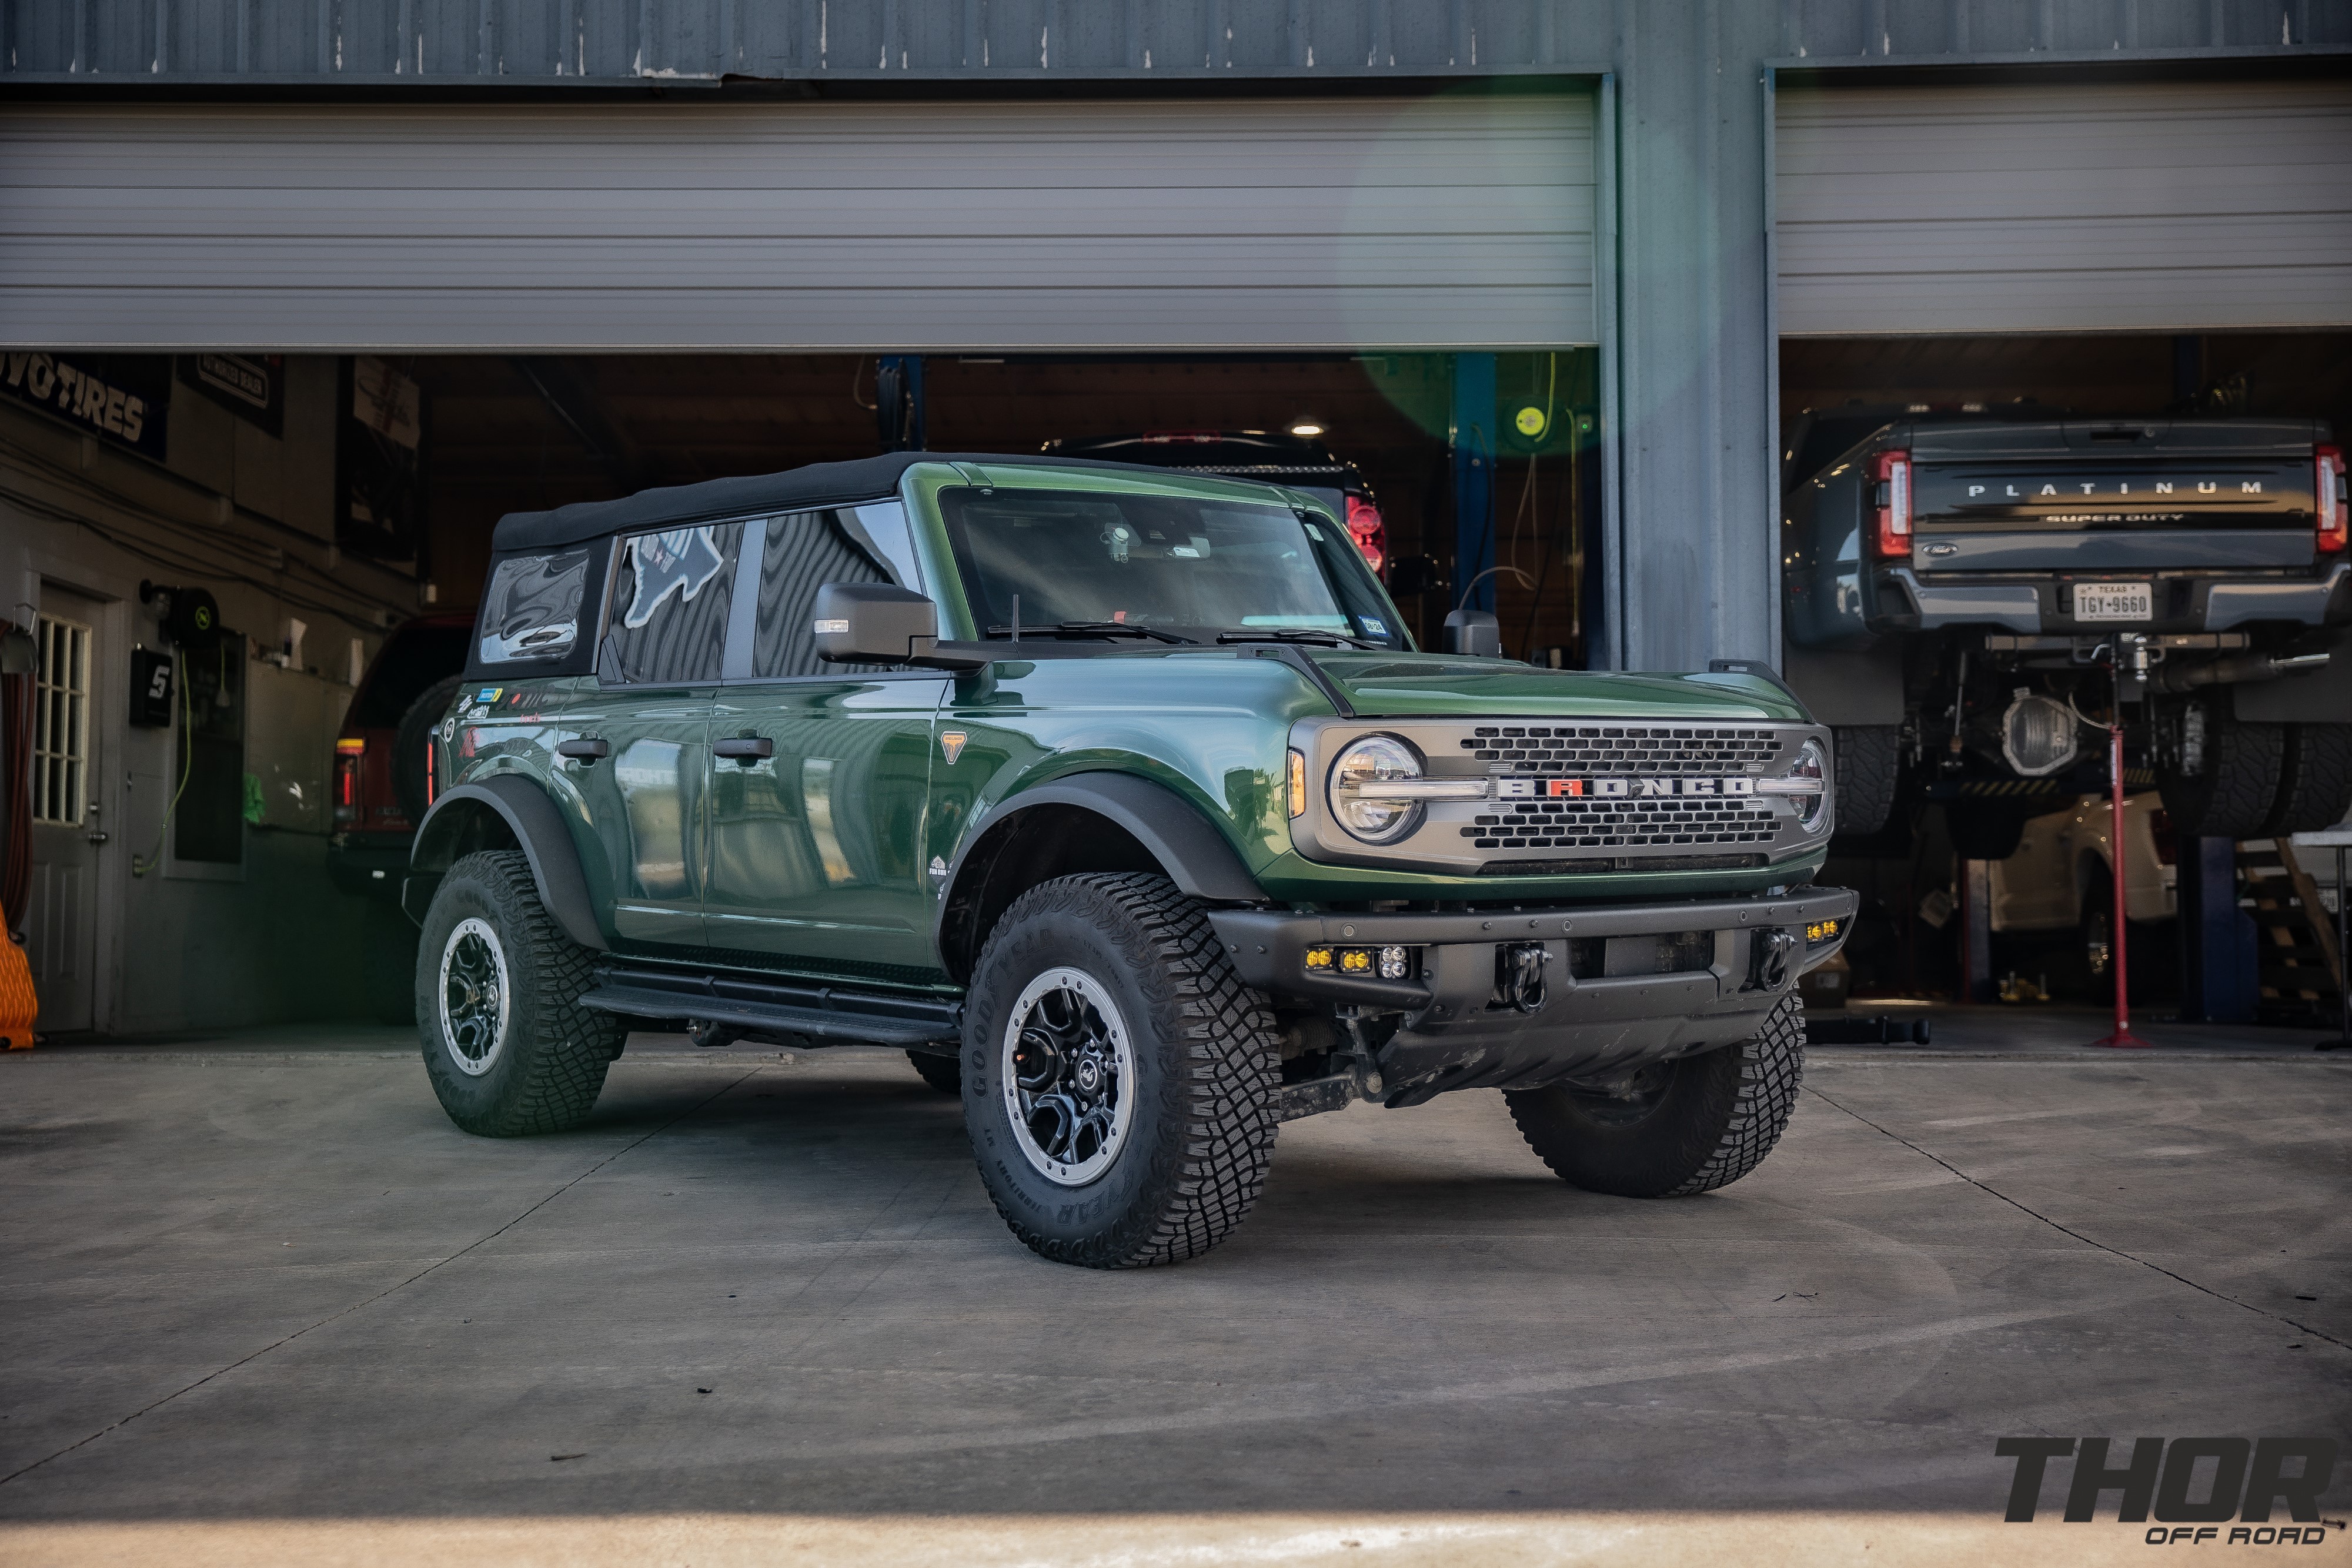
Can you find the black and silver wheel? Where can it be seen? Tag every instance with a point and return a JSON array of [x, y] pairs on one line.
[[1672, 1128], [1117, 1078], [506, 1045]]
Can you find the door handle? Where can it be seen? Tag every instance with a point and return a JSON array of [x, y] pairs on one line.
[[745, 749], [588, 749]]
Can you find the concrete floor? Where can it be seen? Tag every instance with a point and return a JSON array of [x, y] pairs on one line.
[[262, 1279]]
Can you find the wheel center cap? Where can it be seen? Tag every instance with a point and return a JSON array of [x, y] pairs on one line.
[[1090, 1074]]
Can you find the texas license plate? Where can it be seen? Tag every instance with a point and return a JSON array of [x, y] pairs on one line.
[[2113, 601]]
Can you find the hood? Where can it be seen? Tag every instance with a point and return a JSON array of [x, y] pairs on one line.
[[1395, 685]]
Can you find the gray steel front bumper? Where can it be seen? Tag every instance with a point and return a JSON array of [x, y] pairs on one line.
[[1454, 1035]]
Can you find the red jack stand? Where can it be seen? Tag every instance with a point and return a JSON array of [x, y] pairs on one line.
[[2123, 1037]]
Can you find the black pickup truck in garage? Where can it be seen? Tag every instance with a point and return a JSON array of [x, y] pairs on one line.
[[1954, 586]]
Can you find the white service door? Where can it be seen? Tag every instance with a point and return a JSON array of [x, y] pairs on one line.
[[69, 832]]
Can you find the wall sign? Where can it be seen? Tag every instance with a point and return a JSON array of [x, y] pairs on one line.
[[151, 688], [250, 386], [120, 398]]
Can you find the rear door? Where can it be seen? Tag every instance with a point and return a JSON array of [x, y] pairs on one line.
[[657, 670], [818, 816]]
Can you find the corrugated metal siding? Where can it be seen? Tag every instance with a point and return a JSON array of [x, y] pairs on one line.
[[2157, 207], [618, 40], [1252, 224]]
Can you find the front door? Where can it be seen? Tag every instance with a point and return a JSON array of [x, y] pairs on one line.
[[817, 814], [71, 832]]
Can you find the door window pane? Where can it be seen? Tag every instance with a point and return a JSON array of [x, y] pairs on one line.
[[670, 592], [60, 721], [805, 552]]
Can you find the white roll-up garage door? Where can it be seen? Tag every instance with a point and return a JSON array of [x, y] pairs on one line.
[[1230, 223], [2065, 207]]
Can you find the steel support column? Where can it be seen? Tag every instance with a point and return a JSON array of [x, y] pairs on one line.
[[1471, 432]]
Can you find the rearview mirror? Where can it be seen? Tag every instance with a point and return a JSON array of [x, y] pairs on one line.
[[877, 623]]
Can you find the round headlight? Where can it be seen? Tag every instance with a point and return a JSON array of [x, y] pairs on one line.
[[1812, 762], [1354, 789]]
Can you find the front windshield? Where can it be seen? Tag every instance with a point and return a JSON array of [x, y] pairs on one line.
[[1191, 568]]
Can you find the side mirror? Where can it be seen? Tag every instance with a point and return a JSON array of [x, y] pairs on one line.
[[1476, 633], [877, 624]]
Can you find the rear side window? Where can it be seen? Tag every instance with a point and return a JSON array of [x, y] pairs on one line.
[[804, 551], [531, 612], [670, 594]]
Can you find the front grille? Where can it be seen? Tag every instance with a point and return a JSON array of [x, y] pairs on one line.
[[1619, 823], [1590, 749]]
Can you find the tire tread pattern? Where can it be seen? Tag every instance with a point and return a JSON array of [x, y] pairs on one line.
[[944, 1073], [2314, 786], [1771, 1068], [1233, 1068], [1772, 1072], [1867, 760], [2240, 786]]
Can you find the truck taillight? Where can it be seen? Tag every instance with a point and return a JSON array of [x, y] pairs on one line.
[[351, 756], [2167, 841], [2332, 501], [1370, 534], [1892, 497]]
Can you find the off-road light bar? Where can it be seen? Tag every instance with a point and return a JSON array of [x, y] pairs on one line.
[[1387, 963], [1820, 931]]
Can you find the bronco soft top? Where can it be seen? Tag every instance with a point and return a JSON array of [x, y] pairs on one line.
[[795, 489]]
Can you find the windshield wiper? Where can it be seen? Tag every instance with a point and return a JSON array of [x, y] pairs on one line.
[[1092, 629], [1299, 634]]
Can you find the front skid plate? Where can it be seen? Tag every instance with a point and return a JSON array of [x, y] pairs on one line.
[[1457, 1032]]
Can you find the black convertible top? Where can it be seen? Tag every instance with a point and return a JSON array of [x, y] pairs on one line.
[[793, 490]]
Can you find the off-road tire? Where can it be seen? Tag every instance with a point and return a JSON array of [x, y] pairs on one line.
[[1867, 764], [408, 745], [944, 1073], [550, 1062], [1205, 1059], [2234, 795], [2314, 787], [1721, 1114]]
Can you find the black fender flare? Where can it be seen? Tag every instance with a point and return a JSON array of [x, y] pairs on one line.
[[1171, 829], [538, 831]]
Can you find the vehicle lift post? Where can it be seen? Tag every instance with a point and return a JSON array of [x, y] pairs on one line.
[[2117, 919]]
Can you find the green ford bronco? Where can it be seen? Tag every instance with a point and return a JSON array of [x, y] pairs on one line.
[[1122, 801]]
